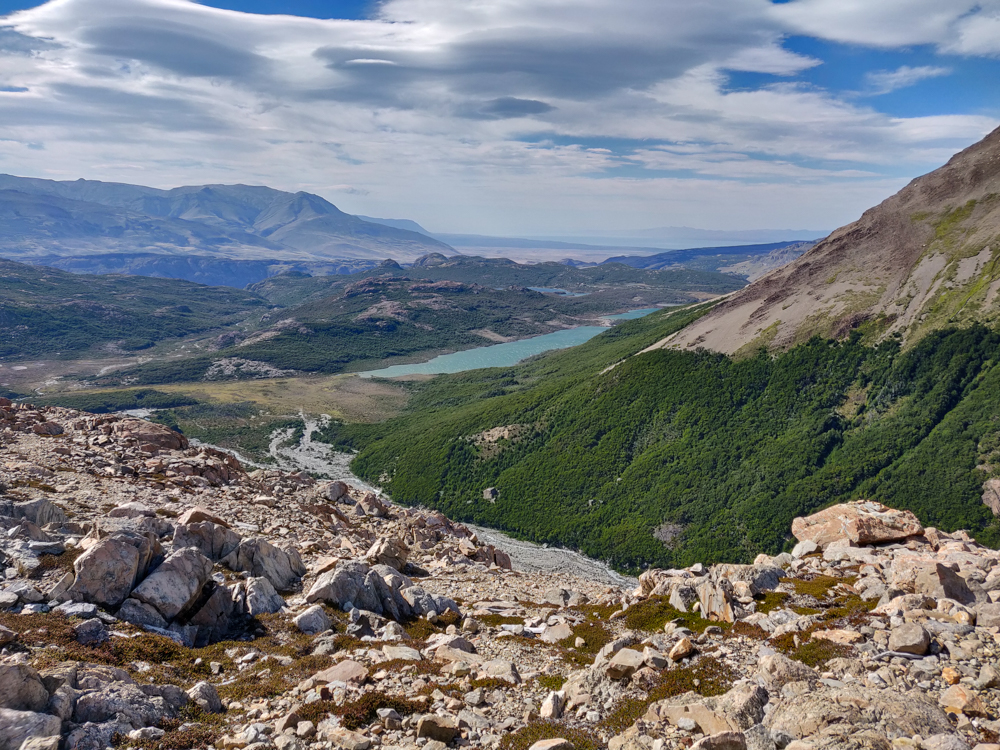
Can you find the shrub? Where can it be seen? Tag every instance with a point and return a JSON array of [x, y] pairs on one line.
[[708, 677], [547, 730]]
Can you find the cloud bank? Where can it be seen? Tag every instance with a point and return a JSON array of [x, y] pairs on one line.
[[518, 116]]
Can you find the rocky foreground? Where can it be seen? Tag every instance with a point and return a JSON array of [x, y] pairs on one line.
[[156, 595]]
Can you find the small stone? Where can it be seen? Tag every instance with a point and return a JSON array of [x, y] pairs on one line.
[[681, 650], [951, 675]]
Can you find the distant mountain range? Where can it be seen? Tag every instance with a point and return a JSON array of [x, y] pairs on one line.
[[236, 235], [46, 218]]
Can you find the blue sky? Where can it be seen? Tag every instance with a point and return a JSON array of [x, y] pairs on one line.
[[520, 117]]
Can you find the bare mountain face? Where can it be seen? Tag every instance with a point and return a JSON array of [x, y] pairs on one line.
[[922, 260], [45, 218]]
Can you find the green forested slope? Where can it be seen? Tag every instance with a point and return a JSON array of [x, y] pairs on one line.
[[717, 453]]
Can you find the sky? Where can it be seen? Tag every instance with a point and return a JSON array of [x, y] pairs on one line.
[[513, 117]]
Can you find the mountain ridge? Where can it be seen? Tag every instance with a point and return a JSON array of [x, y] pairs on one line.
[[88, 217], [923, 259]]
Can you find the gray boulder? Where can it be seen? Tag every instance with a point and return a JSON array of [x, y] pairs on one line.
[[313, 621], [261, 558], [93, 736], [176, 584], [21, 688], [259, 597], [213, 540], [909, 638], [124, 701], [214, 618], [840, 717], [39, 511], [18, 726], [141, 614], [207, 698], [106, 572], [941, 581]]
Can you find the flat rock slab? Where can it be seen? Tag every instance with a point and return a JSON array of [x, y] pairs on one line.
[[401, 652], [346, 671], [863, 522]]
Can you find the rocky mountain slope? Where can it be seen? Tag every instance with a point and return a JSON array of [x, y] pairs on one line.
[[42, 218], [924, 259], [158, 596]]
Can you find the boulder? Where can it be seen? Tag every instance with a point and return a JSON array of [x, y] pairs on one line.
[[21, 688], [347, 671], [206, 697], [909, 638], [624, 664], [556, 743], [200, 515], [128, 701], [963, 699], [553, 706], [681, 650], [441, 728], [47, 428], [313, 620], [862, 522], [261, 558], [388, 551], [176, 583], [942, 581], [260, 598], [90, 632], [105, 573], [555, 633], [149, 433], [132, 510], [832, 716], [97, 736], [213, 540], [403, 653], [18, 726], [777, 670], [141, 614], [213, 618], [721, 741], [988, 615], [40, 511]]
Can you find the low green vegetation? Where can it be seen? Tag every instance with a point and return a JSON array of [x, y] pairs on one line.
[[111, 401], [674, 457], [242, 426]]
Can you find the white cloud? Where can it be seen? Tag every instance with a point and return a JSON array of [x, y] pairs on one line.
[[485, 115], [886, 81], [960, 26]]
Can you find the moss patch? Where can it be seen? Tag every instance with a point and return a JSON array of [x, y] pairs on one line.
[[650, 615]]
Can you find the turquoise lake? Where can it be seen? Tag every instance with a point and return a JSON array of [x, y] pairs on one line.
[[503, 355]]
